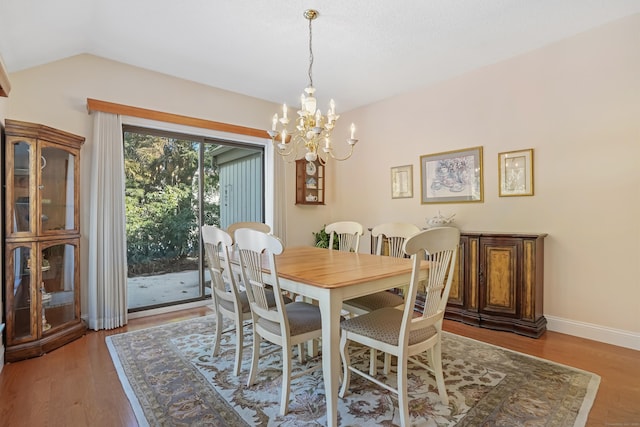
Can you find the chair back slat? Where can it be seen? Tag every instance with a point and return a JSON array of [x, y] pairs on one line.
[[253, 277], [395, 233], [216, 244], [257, 252], [439, 264], [348, 234], [347, 242], [395, 246], [438, 246]]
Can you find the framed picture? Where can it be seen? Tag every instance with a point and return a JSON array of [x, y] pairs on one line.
[[452, 176], [515, 173], [402, 182]]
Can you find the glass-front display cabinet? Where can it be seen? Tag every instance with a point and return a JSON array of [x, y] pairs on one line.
[[42, 238]]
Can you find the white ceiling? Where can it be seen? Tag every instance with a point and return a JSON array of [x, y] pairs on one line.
[[365, 50]]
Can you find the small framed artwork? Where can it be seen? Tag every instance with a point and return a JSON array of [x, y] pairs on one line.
[[515, 173], [452, 176], [402, 182]]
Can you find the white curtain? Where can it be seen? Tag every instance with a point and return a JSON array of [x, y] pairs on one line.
[[107, 293], [279, 198]]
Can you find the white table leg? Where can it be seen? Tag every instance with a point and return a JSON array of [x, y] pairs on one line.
[[330, 306]]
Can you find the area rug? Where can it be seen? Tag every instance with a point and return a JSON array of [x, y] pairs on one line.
[[171, 379]]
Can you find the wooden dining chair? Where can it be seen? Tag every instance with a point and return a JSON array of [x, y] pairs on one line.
[[285, 325], [347, 233], [402, 333], [229, 301], [389, 238]]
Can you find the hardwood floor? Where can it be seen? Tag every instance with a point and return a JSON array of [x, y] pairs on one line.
[[77, 385]]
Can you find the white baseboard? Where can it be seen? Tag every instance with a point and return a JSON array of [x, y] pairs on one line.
[[594, 332]]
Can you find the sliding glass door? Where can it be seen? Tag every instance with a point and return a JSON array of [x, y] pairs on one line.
[[167, 202]]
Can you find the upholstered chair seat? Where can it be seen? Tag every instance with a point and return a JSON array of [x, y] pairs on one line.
[[376, 301], [302, 317], [385, 325], [243, 299]]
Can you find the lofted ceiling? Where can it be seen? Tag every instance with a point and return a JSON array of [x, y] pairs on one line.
[[364, 50]]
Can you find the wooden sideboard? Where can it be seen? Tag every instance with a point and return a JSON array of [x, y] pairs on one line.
[[499, 282]]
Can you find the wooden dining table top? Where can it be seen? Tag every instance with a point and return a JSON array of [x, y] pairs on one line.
[[333, 269]]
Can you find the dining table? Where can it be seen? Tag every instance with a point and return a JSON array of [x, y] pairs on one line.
[[331, 277]]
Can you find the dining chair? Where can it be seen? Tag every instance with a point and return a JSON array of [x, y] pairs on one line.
[[389, 238], [402, 333], [284, 325], [394, 234], [228, 300], [347, 234]]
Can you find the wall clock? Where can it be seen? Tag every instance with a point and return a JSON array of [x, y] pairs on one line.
[[311, 168]]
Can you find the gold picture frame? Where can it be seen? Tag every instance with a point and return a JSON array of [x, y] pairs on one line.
[[452, 176], [402, 182], [515, 173]]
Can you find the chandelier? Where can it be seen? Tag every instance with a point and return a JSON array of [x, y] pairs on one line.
[[312, 129]]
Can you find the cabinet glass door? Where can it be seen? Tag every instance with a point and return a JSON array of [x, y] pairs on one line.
[[19, 286], [58, 285], [57, 189], [22, 210]]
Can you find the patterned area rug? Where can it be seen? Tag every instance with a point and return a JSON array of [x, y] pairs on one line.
[[171, 379]]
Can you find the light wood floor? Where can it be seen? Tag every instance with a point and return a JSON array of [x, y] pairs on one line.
[[77, 385]]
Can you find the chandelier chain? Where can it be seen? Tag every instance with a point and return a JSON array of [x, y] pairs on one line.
[[310, 55]]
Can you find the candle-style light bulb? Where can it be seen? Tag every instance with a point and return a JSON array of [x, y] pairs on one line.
[[353, 130], [332, 106], [284, 111], [274, 122]]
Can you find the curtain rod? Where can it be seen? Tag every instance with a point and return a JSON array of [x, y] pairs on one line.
[[127, 110]]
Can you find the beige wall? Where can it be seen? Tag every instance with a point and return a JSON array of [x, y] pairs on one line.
[[574, 102], [577, 104]]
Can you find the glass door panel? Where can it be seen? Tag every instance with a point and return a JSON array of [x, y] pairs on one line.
[[58, 285], [162, 206], [21, 293], [21, 186], [57, 188]]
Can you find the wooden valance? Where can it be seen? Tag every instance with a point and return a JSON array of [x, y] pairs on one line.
[[126, 110]]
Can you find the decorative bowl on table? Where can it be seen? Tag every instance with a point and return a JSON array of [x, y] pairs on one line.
[[440, 221]]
